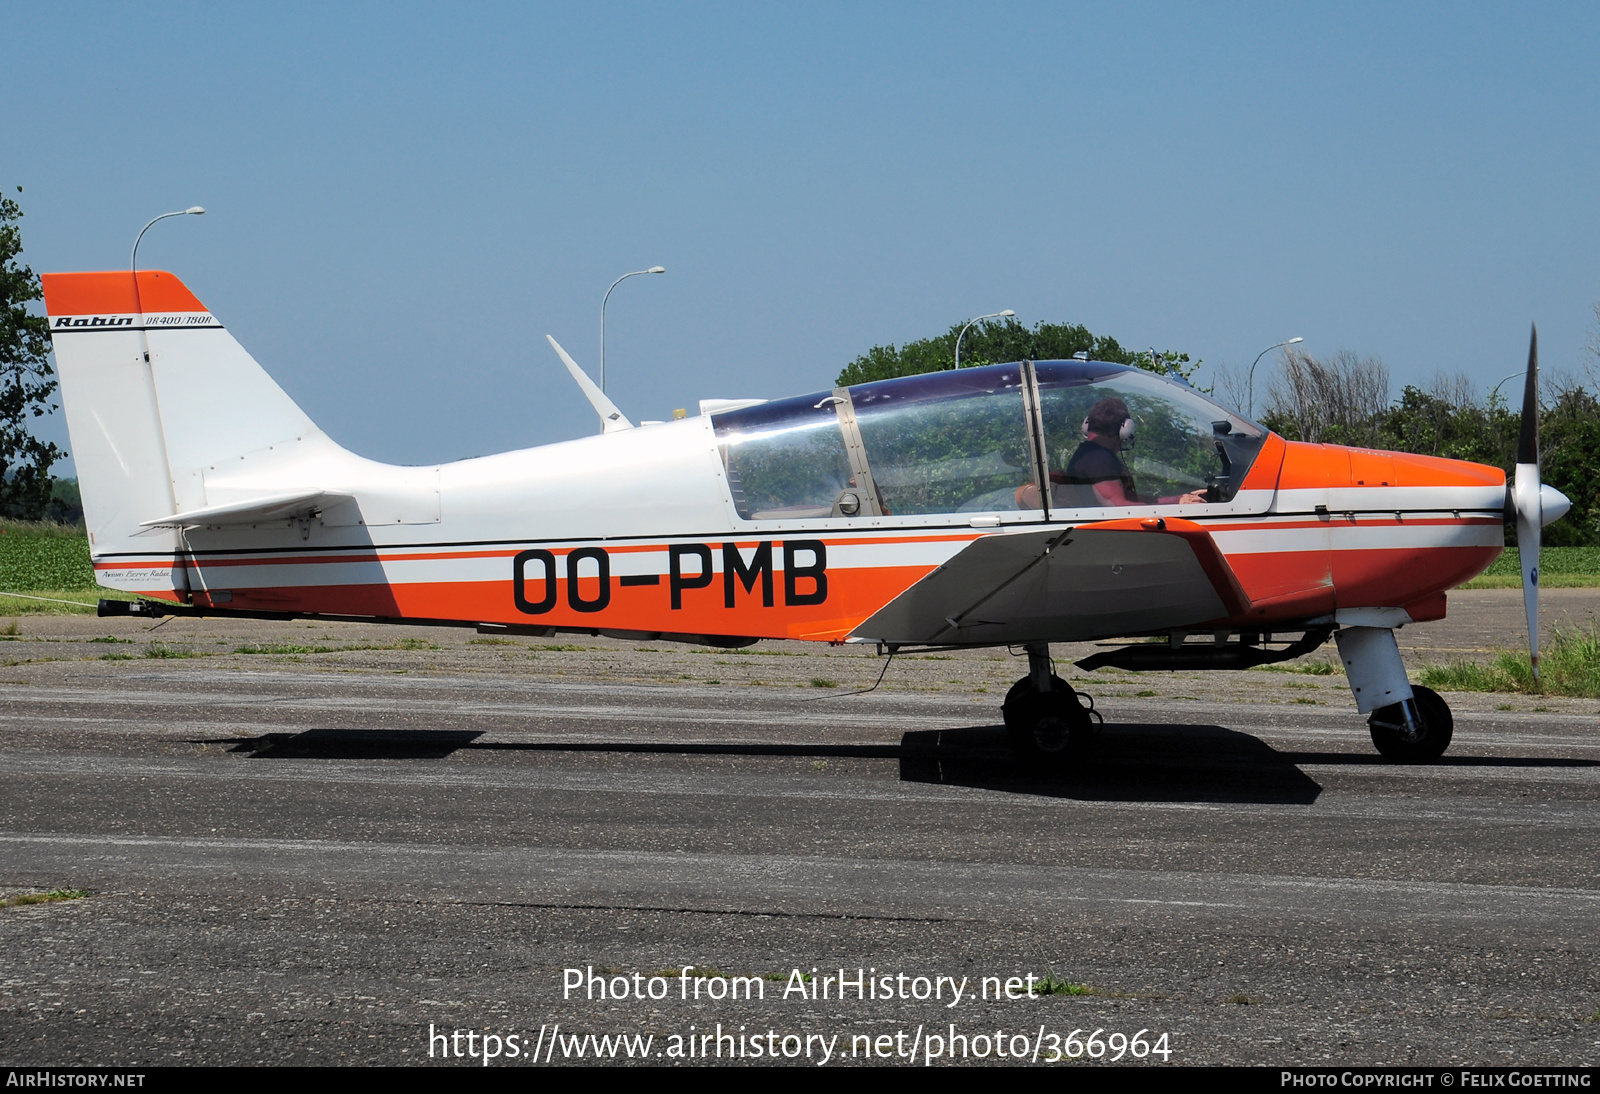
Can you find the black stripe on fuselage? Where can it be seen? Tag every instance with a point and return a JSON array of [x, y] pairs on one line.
[[764, 533]]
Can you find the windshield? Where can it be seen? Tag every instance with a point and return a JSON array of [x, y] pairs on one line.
[[958, 441], [947, 442], [785, 459], [1123, 436]]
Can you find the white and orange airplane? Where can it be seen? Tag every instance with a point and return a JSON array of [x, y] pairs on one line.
[[1016, 504]]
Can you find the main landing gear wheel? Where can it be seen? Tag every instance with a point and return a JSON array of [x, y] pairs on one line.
[[1047, 726], [1421, 743]]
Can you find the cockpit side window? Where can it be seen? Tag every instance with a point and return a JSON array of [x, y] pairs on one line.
[[1116, 436], [947, 442], [786, 459]]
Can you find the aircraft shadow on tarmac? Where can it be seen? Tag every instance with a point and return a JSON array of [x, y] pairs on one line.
[[354, 744], [1130, 762]]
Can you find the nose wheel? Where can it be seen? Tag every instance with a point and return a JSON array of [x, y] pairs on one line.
[[1419, 740]]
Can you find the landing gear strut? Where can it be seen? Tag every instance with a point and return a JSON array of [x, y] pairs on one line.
[[1410, 724], [1044, 717]]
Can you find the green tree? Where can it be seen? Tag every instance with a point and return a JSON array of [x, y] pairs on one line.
[[993, 341], [1458, 430], [1569, 455], [26, 379], [1344, 400]]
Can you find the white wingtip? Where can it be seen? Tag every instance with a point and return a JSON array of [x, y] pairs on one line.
[[611, 419]]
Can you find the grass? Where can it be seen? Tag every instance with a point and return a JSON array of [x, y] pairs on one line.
[[155, 649], [41, 555], [51, 897], [1305, 668], [1555, 560], [287, 648], [695, 974], [80, 601], [745, 653], [1052, 986], [1570, 665], [1559, 568], [822, 682], [1547, 580]]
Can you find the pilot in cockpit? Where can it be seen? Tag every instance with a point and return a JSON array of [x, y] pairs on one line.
[[1096, 475]]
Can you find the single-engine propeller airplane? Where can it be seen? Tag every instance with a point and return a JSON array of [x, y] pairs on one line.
[[1014, 504]]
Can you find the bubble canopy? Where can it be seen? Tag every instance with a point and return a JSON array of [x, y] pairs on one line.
[[1003, 438]]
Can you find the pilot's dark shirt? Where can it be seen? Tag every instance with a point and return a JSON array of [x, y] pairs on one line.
[[1090, 464]]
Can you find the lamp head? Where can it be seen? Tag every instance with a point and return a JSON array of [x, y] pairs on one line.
[[1008, 313], [195, 209], [656, 269], [1292, 341]]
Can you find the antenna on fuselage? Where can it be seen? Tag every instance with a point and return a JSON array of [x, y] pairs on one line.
[[611, 419]]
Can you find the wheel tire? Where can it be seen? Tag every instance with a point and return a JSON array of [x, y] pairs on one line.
[[1046, 727], [1437, 728]]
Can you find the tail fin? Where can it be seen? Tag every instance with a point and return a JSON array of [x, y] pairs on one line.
[[157, 395]]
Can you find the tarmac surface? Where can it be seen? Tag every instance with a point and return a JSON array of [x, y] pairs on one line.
[[308, 843]]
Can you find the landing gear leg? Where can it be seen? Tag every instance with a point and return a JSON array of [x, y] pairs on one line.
[[1409, 725], [1044, 719]]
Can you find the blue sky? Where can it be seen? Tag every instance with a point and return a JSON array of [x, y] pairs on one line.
[[403, 200]]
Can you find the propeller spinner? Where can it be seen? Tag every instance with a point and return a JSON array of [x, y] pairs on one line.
[[1533, 504]]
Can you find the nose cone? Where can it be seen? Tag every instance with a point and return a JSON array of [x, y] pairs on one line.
[[1553, 504]]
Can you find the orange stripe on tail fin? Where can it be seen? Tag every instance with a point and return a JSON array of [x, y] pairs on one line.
[[112, 292]]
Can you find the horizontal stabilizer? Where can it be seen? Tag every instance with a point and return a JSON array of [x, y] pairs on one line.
[[611, 419], [274, 507]]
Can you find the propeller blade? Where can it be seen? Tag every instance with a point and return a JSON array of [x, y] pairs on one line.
[[1528, 442], [1528, 544], [1527, 500]]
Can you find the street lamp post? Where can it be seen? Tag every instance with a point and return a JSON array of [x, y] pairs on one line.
[[133, 263], [1496, 389], [1007, 314], [614, 284], [1252, 384], [144, 339]]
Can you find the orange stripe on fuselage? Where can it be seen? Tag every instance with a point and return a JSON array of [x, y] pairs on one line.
[[853, 595]]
